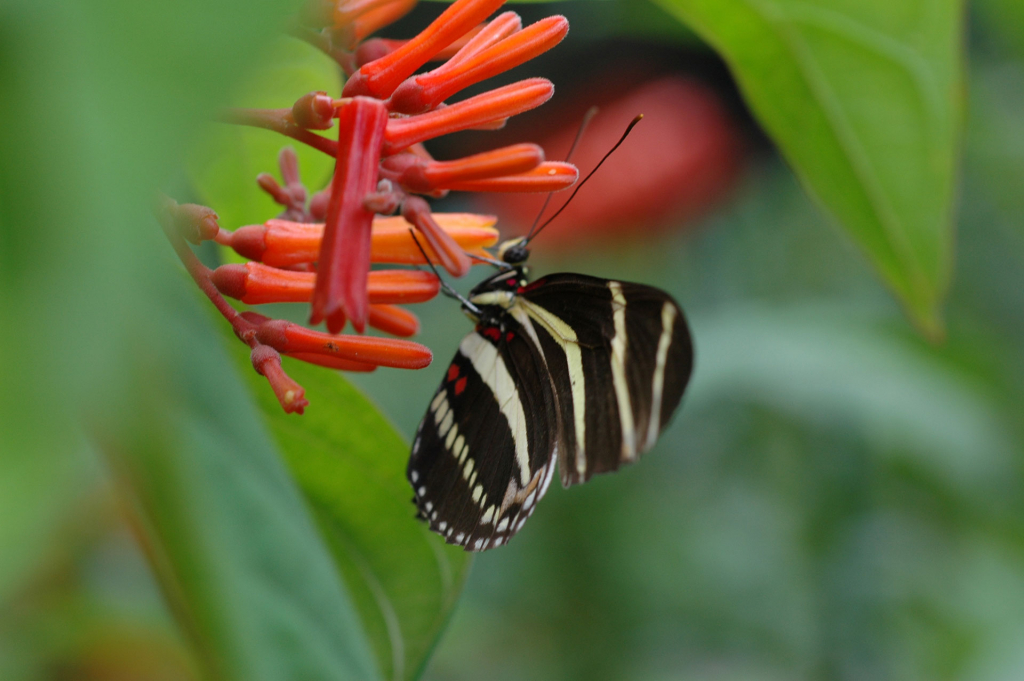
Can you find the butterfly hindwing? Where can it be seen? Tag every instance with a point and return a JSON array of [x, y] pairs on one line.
[[483, 454], [619, 355]]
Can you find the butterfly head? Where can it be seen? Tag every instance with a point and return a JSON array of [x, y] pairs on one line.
[[514, 251], [495, 295]]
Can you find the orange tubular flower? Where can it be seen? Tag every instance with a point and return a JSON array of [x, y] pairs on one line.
[[284, 243], [320, 248]]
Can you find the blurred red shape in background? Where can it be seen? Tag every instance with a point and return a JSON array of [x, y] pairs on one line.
[[679, 162]]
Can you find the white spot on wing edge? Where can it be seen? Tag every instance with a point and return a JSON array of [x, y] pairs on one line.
[[442, 429], [452, 434]]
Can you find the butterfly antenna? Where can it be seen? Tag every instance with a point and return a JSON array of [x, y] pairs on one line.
[[587, 117], [446, 288], [489, 261], [618, 144]]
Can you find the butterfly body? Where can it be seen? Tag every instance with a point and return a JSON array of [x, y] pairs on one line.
[[570, 371]]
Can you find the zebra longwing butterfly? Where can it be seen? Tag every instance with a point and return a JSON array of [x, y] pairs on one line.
[[570, 370]]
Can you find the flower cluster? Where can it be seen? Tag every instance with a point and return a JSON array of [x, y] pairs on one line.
[[320, 248]]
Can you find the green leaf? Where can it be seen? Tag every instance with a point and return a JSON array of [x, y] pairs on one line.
[[227, 158], [234, 547], [97, 102], [829, 367], [865, 99], [350, 462]]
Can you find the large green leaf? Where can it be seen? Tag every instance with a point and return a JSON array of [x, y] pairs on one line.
[[97, 101], [351, 463], [864, 97], [233, 545]]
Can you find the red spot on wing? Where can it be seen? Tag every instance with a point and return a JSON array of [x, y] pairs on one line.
[[493, 333], [453, 373], [509, 336], [460, 386]]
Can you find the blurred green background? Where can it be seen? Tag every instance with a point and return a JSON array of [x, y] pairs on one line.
[[837, 499]]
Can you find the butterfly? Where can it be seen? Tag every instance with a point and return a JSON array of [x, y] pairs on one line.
[[571, 371]]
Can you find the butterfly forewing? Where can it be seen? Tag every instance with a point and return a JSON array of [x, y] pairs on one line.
[[570, 370], [483, 454], [620, 356]]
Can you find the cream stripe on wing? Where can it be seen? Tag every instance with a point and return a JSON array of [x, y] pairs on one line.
[[563, 334], [494, 373], [668, 319], [619, 372]]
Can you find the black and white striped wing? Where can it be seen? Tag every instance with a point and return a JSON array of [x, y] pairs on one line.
[[619, 355], [484, 453]]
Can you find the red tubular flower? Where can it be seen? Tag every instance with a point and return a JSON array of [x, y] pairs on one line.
[[551, 176], [333, 362], [480, 62], [453, 258], [267, 362], [421, 175], [314, 111], [394, 320], [257, 284], [374, 19], [379, 78], [345, 250], [486, 108], [388, 352], [501, 27]]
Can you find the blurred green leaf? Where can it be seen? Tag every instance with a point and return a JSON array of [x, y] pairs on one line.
[[995, 150], [1004, 20], [864, 97], [824, 367], [227, 158], [233, 544], [96, 102], [351, 463]]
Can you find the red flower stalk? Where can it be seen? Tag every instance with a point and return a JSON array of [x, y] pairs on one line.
[[345, 250]]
